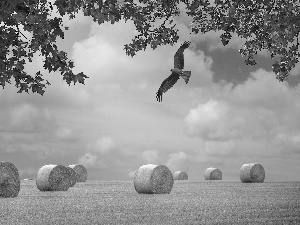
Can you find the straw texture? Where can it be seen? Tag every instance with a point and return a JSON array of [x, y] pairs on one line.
[[153, 179], [9, 180], [81, 172], [179, 175], [212, 174], [53, 178], [72, 177], [252, 173]]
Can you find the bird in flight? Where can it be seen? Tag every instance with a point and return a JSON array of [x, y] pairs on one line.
[[176, 72]]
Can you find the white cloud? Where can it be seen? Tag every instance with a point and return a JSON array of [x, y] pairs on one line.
[[260, 109], [220, 148], [210, 120], [151, 156], [287, 142], [104, 145], [26, 117], [179, 161], [65, 133], [131, 173], [91, 161]]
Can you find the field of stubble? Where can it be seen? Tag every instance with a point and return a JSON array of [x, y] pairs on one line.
[[100, 202]]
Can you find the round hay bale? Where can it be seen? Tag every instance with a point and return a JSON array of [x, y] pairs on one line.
[[53, 178], [153, 179], [73, 176], [81, 173], [179, 175], [9, 180], [252, 173], [212, 174]]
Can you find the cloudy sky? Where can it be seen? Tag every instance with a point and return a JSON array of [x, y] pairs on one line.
[[228, 114]]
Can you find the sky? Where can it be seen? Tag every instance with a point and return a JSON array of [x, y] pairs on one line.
[[229, 114]]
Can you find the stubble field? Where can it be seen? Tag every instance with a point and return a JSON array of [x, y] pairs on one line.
[[206, 202]]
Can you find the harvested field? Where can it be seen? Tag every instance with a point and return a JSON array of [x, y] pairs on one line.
[[100, 202]]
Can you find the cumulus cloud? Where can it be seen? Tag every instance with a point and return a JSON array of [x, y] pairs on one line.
[[151, 156], [91, 161], [179, 161], [64, 133], [27, 118], [260, 109], [287, 142], [39, 150], [131, 173], [104, 144], [220, 148], [210, 121]]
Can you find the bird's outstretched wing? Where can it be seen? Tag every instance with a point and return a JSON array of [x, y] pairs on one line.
[[178, 57], [166, 85]]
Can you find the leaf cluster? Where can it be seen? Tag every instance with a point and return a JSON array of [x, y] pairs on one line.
[[273, 25], [16, 49]]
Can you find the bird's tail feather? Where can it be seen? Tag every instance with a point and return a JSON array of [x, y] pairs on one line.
[[186, 76]]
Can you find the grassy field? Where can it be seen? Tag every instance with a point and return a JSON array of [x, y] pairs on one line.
[[207, 202]]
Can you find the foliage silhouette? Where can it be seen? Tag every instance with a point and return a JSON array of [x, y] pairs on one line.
[[265, 24]]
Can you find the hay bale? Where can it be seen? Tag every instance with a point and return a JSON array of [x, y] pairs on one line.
[[9, 180], [153, 179], [73, 176], [212, 174], [179, 175], [53, 178], [81, 173], [252, 173]]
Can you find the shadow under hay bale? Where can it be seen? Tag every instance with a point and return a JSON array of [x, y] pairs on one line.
[[153, 179], [179, 175], [72, 177], [252, 173], [9, 180], [53, 178], [212, 174], [81, 172]]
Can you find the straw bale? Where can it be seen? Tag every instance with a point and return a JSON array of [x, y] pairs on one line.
[[153, 179], [179, 175], [73, 176], [53, 178], [212, 174], [9, 180], [81, 172], [252, 173]]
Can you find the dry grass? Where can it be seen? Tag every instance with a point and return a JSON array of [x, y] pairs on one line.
[[73, 176], [252, 173], [9, 180], [53, 178], [80, 171], [116, 202], [179, 175], [153, 179], [212, 174]]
